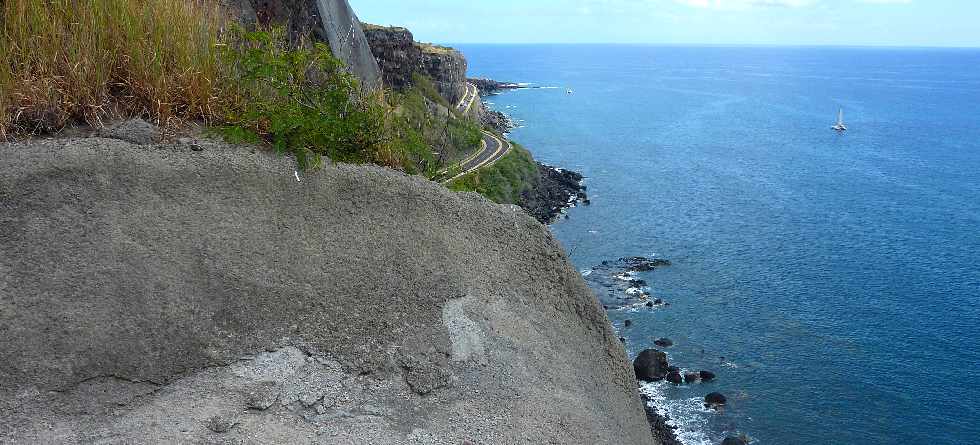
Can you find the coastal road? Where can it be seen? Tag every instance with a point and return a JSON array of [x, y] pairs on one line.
[[492, 149], [469, 98]]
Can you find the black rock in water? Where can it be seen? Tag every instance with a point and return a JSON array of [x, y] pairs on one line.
[[628, 323], [663, 342], [691, 377], [734, 441], [651, 365], [643, 264], [707, 376], [715, 400], [675, 377], [616, 283]]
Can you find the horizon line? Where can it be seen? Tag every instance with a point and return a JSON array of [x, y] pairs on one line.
[[730, 45]]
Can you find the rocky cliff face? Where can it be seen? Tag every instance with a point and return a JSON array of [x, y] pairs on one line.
[[396, 53], [331, 21], [209, 294], [399, 57]]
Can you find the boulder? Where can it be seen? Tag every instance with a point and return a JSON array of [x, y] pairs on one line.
[[707, 376], [675, 377], [628, 323], [715, 400], [663, 342], [691, 377], [734, 441], [651, 365]]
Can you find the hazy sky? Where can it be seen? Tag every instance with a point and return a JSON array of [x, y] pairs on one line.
[[782, 22]]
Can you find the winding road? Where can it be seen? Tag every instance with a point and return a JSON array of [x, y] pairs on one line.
[[469, 97], [492, 148]]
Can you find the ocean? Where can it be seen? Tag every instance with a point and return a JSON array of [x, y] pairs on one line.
[[831, 281]]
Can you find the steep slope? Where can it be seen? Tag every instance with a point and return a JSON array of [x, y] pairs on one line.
[[156, 294]]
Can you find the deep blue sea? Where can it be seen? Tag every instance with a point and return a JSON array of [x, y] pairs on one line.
[[839, 275]]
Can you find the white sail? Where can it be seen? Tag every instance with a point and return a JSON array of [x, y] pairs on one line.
[[840, 122]]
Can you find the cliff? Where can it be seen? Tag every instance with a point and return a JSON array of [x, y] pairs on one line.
[[209, 294], [400, 57]]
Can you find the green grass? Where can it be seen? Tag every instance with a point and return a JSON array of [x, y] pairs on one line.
[[504, 181]]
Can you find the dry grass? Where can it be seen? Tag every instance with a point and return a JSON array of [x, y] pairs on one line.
[[86, 60]]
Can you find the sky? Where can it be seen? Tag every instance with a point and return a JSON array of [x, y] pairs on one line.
[[726, 22]]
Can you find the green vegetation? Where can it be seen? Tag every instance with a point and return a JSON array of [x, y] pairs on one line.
[[88, 60], [301, 100], [504, 181]]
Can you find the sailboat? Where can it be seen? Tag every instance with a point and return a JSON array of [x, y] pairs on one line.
[[840, 127]]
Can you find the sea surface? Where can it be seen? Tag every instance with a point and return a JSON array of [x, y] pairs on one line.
[[831, 281]]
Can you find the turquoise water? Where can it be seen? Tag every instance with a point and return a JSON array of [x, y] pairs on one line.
[[838, 275]]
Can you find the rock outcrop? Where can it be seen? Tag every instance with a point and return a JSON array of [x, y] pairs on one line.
[[156, 294]]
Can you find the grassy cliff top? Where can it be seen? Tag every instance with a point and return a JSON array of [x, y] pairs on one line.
[[371, 27], [431, 48]]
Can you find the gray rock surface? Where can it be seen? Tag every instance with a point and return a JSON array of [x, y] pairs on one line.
[[155, 294]]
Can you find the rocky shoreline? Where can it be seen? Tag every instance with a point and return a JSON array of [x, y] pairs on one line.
[[556, 190], [618, 287]]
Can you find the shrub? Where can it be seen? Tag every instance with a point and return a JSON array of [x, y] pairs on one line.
[[302, 100], [86, 60]]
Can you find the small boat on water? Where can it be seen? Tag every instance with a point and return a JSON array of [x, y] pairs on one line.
[[840, 127], [569, 91]]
